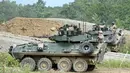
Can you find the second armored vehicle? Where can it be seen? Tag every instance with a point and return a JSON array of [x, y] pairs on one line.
[[70, 49], [113, 38]]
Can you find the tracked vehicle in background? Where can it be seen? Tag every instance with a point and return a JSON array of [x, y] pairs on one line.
[[69, 49]]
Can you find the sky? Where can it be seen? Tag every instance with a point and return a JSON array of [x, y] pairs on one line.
[[51, 3]]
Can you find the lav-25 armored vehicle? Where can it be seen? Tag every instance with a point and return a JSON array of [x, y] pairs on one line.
[[69, 49], [114, 39]]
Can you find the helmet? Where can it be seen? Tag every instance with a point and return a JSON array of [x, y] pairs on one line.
[[113, 23]]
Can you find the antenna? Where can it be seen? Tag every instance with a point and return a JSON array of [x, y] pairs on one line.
[[79, 26], [85, 27]]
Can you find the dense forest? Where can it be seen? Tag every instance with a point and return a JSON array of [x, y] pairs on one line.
[[97, 11]]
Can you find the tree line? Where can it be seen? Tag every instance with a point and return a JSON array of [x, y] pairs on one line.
[[96, 11]]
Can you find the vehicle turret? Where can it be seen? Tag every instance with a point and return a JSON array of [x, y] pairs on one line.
[[70, 33]]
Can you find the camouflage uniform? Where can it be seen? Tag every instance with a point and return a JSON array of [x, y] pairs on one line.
[[101, 36], [113, 27]]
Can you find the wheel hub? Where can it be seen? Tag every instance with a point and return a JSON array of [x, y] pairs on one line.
[[64, 64], [79, 65], [44, 65], [86, 47]]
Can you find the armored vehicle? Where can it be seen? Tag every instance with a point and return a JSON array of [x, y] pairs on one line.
[[69, 49], [113, 38]]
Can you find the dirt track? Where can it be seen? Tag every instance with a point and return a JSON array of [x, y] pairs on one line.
[[101, 70], [39, 26], [105, 70]]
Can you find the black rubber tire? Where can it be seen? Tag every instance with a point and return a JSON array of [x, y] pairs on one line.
[[80, 65], [67, 62], [110, 39], [91, 67], [86, 48], [30, 61], [46, 62]]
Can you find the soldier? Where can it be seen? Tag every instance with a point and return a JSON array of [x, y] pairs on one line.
[[113, 25], [71, 28], [100, 36], [121, 32], [95, 28]]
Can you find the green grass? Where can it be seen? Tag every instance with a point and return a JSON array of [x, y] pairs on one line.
[[125, 48], [7, 60], [10, 65], [14, 70], [114, 64]]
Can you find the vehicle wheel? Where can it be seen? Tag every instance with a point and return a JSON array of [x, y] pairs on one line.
[[112, 39], [86, 48], [64, 64], [28, 62], [91, 67], [80, 65], [44, 64]]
